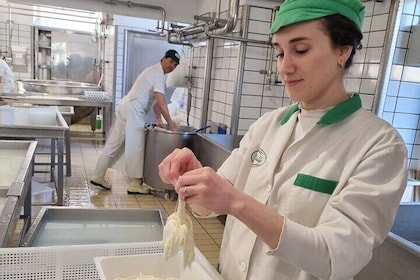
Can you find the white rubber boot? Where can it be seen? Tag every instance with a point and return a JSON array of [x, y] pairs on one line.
[[101, 167], [135, 187]]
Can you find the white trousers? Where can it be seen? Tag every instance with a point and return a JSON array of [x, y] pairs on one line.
[[127, 136]]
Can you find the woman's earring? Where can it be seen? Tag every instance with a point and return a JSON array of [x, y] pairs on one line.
[[341, 64]]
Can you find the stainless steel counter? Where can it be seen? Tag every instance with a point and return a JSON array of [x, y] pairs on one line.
[[66, 100], [56, 133], [16, 163]]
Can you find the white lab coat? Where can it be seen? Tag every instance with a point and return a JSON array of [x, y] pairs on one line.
[[7, 84], [331, 227], [127, 135]]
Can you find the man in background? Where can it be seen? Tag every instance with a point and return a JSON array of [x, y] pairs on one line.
[[128, 128]]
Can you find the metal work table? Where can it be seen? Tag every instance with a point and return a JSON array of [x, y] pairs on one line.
[[67, 100], [57, 133], [16, 162]]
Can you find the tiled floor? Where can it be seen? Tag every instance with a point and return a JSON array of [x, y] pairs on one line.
[[78, 192]]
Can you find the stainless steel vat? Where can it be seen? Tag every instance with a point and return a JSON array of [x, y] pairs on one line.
[[159, 144], [215, 148]]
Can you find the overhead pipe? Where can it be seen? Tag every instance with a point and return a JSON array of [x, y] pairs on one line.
[[232, 19], [213, 28], [146, 6]]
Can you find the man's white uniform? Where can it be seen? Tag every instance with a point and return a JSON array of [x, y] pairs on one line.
[[343, 175], [130, 119]]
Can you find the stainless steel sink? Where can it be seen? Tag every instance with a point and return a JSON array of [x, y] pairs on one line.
[[399, 256], [56, 226], [54, 87]]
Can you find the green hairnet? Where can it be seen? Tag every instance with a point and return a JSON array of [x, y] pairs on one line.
[[294, 11]]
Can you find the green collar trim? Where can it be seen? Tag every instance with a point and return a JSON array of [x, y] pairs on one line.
[[292, 110], [334, 115]]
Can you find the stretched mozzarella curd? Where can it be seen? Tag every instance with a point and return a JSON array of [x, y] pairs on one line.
[[178, 234]]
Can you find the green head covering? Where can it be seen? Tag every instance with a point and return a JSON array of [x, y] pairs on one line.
[[294, 11]]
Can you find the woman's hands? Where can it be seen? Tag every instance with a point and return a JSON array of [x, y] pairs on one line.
[[177, 163], [197, 185]]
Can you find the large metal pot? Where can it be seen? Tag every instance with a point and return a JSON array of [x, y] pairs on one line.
[[160, 143]]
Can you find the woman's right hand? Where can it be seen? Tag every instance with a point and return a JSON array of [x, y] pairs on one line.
[[177, 163]]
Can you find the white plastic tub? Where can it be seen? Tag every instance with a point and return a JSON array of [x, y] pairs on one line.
[[43, 115], [7, 115], [155, 265]]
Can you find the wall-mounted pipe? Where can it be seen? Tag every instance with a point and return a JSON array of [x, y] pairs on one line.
[[207, 82], [146, 6], [386, 61], [232, 19]]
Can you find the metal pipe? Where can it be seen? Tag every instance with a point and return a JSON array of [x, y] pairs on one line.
[[271, 51], [207, 81], [245, 40], [232, 19], [138, 5], [236, 106], [189, 86], [386, 63], [218, 9], [203, 27]]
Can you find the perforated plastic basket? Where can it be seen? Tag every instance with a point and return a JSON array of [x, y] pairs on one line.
[[74, 262], [96, 95]]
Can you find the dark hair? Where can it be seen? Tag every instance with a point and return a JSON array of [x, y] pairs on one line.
[[343, 32]]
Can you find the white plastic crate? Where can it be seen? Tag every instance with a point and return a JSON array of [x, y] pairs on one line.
[[96, 95], [157, 266], [74, 262]]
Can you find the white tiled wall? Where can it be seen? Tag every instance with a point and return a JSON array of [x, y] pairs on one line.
[[21, 35], [402, 102], [259, 92]]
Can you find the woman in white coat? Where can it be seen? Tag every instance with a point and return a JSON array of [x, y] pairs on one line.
[[128, 128], [315, 186], [7, 79]]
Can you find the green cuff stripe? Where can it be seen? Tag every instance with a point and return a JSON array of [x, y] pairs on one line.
[[315, 184]]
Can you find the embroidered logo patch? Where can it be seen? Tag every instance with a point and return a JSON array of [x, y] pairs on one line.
[[258, 158]]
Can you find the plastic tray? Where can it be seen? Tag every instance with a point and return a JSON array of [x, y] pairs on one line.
[[155, 265]]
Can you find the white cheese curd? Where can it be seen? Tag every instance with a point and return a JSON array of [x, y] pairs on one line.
[[178, 234]]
